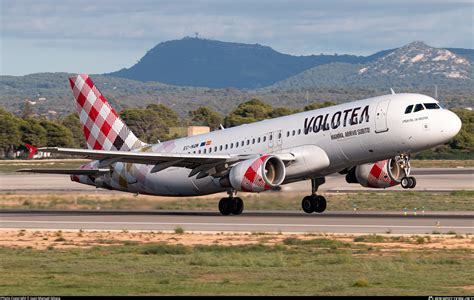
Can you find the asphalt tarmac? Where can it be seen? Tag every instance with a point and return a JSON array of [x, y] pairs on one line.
[[441, 180], [428, 179], [329, 222]]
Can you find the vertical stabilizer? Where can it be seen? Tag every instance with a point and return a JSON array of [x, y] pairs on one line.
[[103, 128]]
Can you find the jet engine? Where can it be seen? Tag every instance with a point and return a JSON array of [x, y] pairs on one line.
[[256, 174], [382, 174]]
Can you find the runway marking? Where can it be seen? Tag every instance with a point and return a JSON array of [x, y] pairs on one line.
[[238, 224]]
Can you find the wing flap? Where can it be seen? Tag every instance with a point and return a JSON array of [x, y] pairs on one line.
[[64, 171], [187, 160]]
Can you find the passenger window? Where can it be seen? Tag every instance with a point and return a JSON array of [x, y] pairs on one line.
[[204, 150], [279, 135], [258, 140], [287, 134], [293, 133], [271, 137], [253, 141], [237, 145], [418, 107], [231, 145], [264, 138], [242, 143], [248, 142], [199, 151], [408, 109], [226, 146], [431, 106], [299, 131], [220, 148]]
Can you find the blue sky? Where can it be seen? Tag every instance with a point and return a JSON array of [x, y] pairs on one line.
[[106, 35]]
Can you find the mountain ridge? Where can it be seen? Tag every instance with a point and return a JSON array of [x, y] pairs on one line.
[[208, 63], [413, 65]]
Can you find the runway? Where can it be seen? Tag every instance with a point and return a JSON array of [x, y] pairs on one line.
[[335, 222], [428, 179]]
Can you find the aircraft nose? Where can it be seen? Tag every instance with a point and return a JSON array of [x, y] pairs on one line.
[[451, 124]]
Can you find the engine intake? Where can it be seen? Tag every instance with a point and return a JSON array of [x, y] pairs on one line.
[[256, 174]]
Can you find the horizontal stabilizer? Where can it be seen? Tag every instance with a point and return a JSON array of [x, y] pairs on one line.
[[65, 171]]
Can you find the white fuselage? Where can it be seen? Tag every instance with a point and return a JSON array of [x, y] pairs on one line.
[[347, 135]]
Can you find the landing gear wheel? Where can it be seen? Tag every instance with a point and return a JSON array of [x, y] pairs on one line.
[[308, 204], [405, 183], [320, 204], [238, 206], [412, 182], [226, 206]]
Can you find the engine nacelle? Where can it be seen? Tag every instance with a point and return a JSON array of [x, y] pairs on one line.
[[382, 174], [256, 174]]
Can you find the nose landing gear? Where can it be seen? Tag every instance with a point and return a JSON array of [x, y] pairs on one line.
[[407, 182], [314, 203]]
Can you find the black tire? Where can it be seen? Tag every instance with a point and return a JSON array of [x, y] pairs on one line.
[[321, 204], [307, 205], [238, 206], [405, 183], [225, 206], [412, 182]]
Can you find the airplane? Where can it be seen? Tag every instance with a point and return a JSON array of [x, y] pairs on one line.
[[369, 141]]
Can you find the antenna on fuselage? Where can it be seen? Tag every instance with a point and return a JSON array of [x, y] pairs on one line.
[[391, 90], [436, 92], [221, 127]]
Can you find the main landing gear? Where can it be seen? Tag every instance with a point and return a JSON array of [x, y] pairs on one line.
[[407, 182], [231, 205], [314, 203]]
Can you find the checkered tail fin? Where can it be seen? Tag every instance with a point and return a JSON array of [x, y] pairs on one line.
[[103, 128]]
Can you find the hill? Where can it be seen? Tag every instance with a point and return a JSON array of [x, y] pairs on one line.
[[412, 68], [207, 63], [415, 65]]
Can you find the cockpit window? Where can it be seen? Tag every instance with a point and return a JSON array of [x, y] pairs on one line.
[[418, 107], [431, 106], [408, 109]]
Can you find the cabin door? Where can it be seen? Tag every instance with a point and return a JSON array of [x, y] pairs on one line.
[[381, 116]]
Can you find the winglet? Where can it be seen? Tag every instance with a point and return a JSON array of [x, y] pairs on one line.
[[31, 150]]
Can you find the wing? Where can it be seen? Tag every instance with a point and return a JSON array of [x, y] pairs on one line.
[[65, 171], [202, 164]]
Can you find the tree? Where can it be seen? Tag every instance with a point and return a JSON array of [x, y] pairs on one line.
[[316, 105], [282, 111], [207, 117], [57, 134], [165, 114], [151, 123], [248, 112], [27, 111], [33, 133], [10, 136], [464, 140], [72, 122]]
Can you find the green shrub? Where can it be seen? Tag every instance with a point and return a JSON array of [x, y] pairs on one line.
[[179, 230], [165, 249], [361, 283]]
